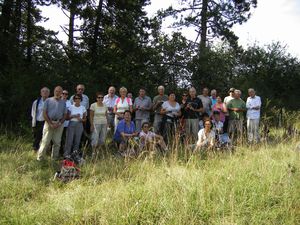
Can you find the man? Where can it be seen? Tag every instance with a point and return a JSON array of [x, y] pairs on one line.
[[206, 101], [85, 99], [158, 100], [38, 118], [236, 108], [253, 105], [54, 114], [109, 101], [192, 109], [213, 97], [230, 96], [142, 106]]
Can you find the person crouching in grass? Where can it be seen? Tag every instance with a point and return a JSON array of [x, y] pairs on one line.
[[206, 137], [149, 140], [125, 134]]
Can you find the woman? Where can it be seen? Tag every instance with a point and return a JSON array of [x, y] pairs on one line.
[[206, 137], [125, 131], [149, 140], [170, 111], [221, 108], [122, 104], [76, 115], [98, 120]]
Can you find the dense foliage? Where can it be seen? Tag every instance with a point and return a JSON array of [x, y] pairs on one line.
[[118, 44]]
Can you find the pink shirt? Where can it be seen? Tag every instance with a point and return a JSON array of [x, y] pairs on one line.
[[220, 108]]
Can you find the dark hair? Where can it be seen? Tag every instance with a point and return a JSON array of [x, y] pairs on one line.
[[99, 93], [145, 124], [77, 96], [127, 111], [216, 112], [205, 115], [171, 92]]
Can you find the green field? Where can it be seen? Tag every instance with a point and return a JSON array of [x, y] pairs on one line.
[[254, 185]]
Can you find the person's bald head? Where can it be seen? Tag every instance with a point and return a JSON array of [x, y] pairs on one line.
[[45, 92], [192, 92], [80, 89], [58, 91]]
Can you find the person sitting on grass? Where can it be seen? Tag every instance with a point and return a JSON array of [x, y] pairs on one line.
[[221, 134], [206, 137], [125, 132], [149, 140]]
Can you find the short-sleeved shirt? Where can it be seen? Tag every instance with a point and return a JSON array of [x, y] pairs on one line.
[[110, 102], [123, 105], [74, 110], [145, 103], [236, 103], [171, 111], [68, 104], [196, 103], [159, 99], [147, 137], [206, 102], [55, 108], [84, 102], [99, 113], [123, 128], [213, 101], [228, 99]]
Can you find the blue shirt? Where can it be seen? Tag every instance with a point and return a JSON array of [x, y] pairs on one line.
[[213, 101], [123, 128]]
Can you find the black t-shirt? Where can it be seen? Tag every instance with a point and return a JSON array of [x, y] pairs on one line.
[[196, 103]]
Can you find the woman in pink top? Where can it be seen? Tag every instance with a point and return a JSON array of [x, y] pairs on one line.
[[220, 107]]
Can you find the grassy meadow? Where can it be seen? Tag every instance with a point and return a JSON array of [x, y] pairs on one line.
[[253, 185]]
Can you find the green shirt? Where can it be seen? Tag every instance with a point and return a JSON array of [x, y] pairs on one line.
[[236, 103]]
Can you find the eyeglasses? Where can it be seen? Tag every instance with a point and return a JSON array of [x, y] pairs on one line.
[[100, 97], [77, 98]]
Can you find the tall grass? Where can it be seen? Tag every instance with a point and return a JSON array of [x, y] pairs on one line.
[[253, 185]]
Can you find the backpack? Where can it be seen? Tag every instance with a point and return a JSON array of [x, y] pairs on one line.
[[69, 171]]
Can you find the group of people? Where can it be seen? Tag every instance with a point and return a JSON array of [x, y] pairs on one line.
[[202, 119]]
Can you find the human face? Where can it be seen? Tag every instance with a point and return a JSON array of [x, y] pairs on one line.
[[111, 91], [146, 128], [251, 93], [213, 93], [129, 95], [65, 95], [80, 89], [45, 93], [77, 100], [58, 92], [172, 97], [161, 91], [127, 116], [100, 98], [237, 94], [207, 125], [219, 99], [217, 117], [142, 93], [192, 92], [123, 93], [205, 92]]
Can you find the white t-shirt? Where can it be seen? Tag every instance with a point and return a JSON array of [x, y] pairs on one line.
[[74, 110], [171, 111], [99, 113], [204, 140], [123, 105], [228, 99]]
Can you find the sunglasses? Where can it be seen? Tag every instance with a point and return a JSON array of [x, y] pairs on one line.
[[100, 97], [77, 98]]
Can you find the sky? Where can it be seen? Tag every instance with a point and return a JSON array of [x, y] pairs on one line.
[[271, 21]]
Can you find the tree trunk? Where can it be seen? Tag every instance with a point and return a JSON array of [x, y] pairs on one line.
[[29, 31], [71, 26], [203, 25], [94, 50], [17, 24]]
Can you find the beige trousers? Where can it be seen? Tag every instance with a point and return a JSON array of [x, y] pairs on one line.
[[54, 135]]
